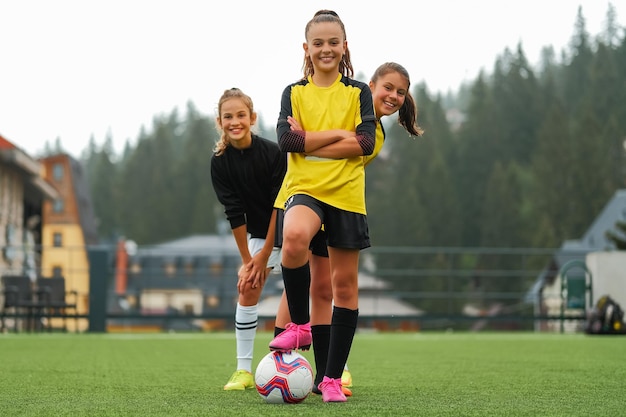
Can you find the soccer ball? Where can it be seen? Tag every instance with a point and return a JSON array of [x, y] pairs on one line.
[[284, 377]]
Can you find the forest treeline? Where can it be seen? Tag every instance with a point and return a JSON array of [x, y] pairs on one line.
[[522, 156]]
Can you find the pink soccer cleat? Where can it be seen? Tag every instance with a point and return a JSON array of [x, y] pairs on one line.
[[331, 390], [295, 336]]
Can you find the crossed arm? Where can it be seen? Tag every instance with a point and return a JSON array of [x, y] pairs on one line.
[[336, 143]]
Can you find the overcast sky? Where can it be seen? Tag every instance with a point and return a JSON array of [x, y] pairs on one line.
[[73, 69]]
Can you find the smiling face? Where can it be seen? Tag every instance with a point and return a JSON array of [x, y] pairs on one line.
[[325, 46], [388, 93], [235, 120]]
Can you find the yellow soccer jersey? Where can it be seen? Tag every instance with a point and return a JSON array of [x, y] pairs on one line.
[[279, 203], [346, 104]]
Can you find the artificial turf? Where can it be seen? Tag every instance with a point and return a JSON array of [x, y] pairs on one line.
[[395, 374]]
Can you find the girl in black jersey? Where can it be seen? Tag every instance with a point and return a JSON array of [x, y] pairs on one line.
[[247, 172]]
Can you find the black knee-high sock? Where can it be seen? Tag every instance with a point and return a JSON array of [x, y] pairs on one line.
[[297, 283], [321, 339], [342, 331], [278, 330]]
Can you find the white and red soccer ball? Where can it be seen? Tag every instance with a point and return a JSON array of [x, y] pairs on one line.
[[284, 377]]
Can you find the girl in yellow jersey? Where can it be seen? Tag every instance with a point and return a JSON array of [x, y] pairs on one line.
[[390, 85], [331, 108]]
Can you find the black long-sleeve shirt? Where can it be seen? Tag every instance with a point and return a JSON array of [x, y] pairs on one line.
[[247, 182]]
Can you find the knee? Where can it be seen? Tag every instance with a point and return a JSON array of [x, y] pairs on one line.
[[249, 295], [295, 244], [343, 292], [322, 293]]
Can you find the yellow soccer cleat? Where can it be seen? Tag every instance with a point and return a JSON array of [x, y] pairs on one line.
[[240, 381], [346, 378]]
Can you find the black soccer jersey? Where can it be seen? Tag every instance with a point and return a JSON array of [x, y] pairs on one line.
[[247, 181]]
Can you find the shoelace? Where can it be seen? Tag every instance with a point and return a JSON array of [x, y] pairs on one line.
[[334, 386], [297, 329]]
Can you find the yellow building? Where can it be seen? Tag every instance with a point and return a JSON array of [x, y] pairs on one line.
[[68, 229], [22, 195]]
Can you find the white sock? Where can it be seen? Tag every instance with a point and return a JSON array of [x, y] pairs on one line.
[[245, 331]]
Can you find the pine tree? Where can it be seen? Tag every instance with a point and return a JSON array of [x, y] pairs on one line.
[[518, 110], [576, 72], [478, 148], [553, 190], [196, 198], [102, 176]]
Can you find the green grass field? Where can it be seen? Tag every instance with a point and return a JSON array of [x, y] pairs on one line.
[[396, 374]]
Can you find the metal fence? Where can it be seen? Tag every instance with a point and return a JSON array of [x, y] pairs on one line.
[[402, 288]]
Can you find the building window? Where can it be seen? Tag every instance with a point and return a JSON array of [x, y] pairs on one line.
[[216, 267], [135, 266], [188, 266], [170, 268], [57, 240], [57, 271], [57, 172], [212, 301], [58, 206]]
